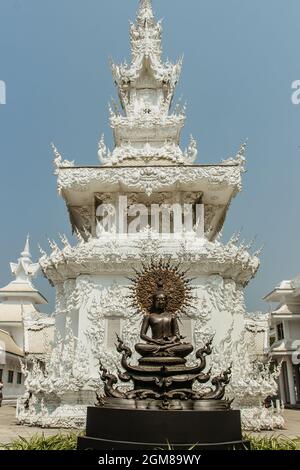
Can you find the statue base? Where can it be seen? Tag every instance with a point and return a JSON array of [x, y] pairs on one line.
[[144, 428]]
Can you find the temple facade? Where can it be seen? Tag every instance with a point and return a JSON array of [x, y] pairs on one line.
[[10, 367], [110, 208], [285, 338]]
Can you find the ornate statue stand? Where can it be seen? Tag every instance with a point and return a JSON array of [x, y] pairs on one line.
[[163, 406]]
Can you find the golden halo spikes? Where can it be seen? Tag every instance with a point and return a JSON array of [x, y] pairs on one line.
[[175, 285]]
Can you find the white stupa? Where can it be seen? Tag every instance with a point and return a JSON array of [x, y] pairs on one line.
[[147, 166]]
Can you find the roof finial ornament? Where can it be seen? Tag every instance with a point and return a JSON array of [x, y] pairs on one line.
[[26, 252], [25, 269], [58, 160], [145, 11], [241, 155], [146, 88]]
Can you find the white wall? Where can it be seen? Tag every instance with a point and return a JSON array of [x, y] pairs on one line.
[[11, 390], [17, 332]]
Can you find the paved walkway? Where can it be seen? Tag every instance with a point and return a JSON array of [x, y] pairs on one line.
[[10, 430]]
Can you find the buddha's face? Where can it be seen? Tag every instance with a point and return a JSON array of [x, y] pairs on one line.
[[160, 302]]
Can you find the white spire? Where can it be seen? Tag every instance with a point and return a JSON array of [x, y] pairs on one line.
[[26, 252], [146, 34], [147, 131], [24, 270], [145, 11]]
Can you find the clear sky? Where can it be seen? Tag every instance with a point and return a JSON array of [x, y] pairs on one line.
[[240, 58]]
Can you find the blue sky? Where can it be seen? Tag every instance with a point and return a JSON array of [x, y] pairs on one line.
[[240, 58]]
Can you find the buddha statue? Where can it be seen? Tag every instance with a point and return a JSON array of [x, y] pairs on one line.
[[165, 340]]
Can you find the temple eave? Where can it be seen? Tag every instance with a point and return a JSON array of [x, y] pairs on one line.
[[95, 257], [64, 273], [140, 178], [160, 70]]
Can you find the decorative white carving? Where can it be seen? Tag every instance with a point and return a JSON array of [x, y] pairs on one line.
[[147, 153], [83, 218], [59, 162], [203, 332], [69, 412], [191, 152], [149, 244], [150, 179], [259, 418], [251, 383], [65, 367], [103, 153], [64, 372], [97, 255], [239, 159]]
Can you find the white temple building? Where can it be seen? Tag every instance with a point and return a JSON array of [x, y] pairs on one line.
[[24, 331], [285, 338], [10, 368], [146, 168]]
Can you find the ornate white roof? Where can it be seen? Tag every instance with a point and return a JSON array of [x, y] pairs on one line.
[[219, 184], [97, 256], [147, 157], [147, 161], [150, 179], [146, 130], [22, 288], [281, 292]]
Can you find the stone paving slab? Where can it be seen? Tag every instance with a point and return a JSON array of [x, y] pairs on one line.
[[10, 430]]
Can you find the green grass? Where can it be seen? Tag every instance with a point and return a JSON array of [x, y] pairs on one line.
[[40, 442], [69, 442], [273, 443]]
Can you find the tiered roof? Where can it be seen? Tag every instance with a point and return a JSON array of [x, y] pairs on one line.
[[21, 287], [18, 309], [287, 297]]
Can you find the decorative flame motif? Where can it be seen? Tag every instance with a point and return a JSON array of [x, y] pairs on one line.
[[175, 284]]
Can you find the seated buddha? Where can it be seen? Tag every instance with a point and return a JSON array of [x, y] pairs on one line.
[[165, 340]]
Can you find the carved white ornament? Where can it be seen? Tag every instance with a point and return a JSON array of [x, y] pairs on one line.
[[97, 255], [149, 179], [58, 161]]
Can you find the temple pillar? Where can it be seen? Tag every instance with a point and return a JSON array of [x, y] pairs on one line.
[[282, 393], [291, 384]]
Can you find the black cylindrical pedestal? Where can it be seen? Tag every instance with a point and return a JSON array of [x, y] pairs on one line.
[[133, 429]]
